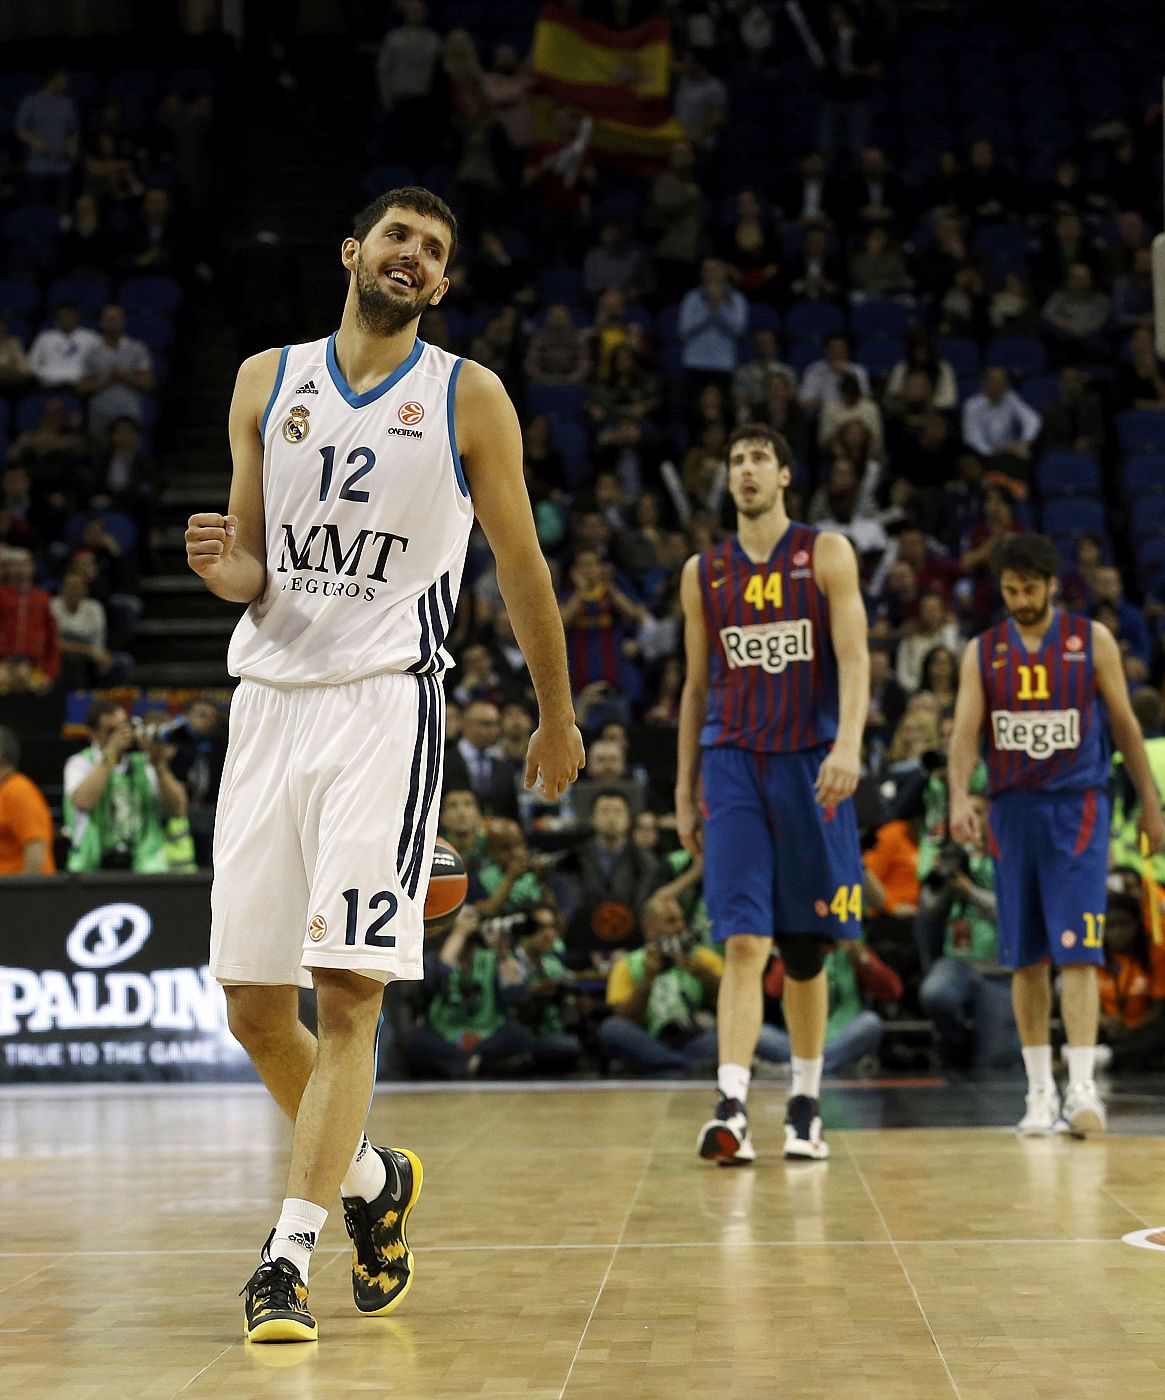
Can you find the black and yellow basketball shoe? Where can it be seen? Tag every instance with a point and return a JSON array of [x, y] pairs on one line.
[[382, 1263], [275, 1304]]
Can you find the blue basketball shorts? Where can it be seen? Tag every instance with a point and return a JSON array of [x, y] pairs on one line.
[[774, 861], [1051, 863]]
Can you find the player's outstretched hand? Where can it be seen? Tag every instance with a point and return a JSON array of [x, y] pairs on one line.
[[1151, 825], [964, 823], [553, 759], [210, 538], [837, 778]]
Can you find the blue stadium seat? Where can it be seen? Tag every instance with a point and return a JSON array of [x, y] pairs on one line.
[[813, 320], [571, 440], [880, 319], [1065, 517], [880, 356], [1144, 474], [31, 407], [156, 331], [763, 317], [387, 177], [31, 225], [561, 284], [1140, 430], [962, 352], [556, 400], [1149, 551], [1000, 241], [85, 293], [5, 418], [665, 324], [1041, 391], [1149, 517], [19, 296], [802, 353], [157, 295], [1068, 474], [1019, 355]]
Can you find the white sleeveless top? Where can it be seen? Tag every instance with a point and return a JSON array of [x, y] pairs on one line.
[[368, 518]]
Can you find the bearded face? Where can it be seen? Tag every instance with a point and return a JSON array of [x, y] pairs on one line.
[[390, 295]]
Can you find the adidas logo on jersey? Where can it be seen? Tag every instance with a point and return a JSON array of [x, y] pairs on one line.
[[308, 388], [769, 645]]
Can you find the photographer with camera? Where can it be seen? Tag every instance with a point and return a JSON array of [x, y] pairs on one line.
[[662, 997], [120, 794], [965, 990]]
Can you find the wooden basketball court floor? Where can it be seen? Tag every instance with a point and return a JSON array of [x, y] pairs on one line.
[[569, 1244]]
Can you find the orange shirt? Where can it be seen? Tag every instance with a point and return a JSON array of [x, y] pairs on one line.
[[1128, 991], [894, 860], [24, 817]]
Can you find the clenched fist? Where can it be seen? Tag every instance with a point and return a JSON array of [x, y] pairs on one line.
[[210, 538]]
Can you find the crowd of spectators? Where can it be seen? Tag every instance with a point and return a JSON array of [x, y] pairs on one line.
[[947, 313], [101, 180]]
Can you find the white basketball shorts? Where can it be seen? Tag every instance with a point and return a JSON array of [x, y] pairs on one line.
[[327, 815]]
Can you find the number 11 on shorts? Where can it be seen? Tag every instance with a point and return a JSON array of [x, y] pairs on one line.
[[846, 903]]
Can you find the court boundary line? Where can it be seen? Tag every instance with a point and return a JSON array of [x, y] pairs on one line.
[[340, 1250]]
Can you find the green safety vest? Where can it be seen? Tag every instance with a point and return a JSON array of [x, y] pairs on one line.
[[468, 1002], [128, 812], [1126, 843]]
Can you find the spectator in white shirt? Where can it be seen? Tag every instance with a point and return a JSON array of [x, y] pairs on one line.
[[999, 426], [81, 624], [932, 628], [821, 382], [406, 69], [713, 317], [57, 352], [118, 372]]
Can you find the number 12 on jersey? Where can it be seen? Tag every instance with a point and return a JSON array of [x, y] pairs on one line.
[[364, 454]]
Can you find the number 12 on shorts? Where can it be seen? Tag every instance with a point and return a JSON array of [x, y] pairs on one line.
[[372, 935], [846, 903]]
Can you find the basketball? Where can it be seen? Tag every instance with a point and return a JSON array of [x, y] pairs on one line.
[[448, 884]]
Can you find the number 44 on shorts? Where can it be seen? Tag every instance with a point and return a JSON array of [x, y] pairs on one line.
[[846, 903]]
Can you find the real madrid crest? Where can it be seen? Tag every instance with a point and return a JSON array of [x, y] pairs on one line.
[[297, 427]]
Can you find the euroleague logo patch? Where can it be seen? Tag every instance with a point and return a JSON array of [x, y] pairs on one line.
[[801, 558], [317, 927], [411, 412], [1068, 939], [1073, 644]]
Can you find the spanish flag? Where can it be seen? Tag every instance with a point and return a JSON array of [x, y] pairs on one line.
[[619, 77]]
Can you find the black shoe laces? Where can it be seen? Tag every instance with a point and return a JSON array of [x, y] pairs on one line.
[[273, 1285]]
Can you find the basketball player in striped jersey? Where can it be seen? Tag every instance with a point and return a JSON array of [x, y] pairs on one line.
[[360, 462], [771, 719], [1034, 693]]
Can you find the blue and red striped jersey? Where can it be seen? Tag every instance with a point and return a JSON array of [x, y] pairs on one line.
[[772, 668], [1046, 729]]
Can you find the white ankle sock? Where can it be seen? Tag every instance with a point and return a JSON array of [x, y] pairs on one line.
[[366, 1175], [733, 1081], [296, 1232], [806, 1077], [1037, 1061], [1081, 1060]]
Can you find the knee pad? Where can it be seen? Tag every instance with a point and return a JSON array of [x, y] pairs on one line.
[[804, 955]]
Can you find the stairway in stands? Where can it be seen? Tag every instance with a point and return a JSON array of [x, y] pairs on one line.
[[286, 163]]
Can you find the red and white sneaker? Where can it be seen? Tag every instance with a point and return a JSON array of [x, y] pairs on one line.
[[803, 1140], [725, 1140]]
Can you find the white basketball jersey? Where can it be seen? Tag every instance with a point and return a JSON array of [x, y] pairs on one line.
[[368, 519]]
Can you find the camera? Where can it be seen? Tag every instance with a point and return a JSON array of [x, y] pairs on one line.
[[951, 862], [675, 947], [143, 735]]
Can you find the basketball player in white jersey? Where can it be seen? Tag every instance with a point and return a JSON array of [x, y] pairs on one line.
[[359, 464]]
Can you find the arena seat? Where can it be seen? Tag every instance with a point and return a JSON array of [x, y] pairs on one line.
[[1068, 474]]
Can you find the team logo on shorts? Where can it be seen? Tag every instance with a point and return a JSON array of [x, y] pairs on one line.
[[821, 909], [316, 928], [411, 412], [297, 427], [1068, 939]]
